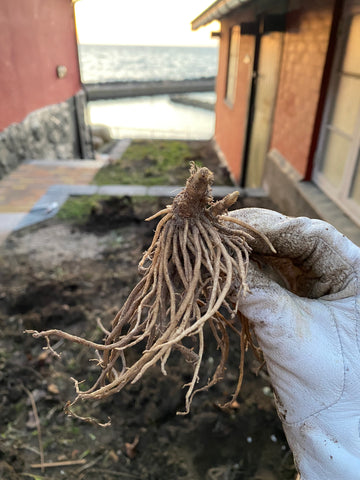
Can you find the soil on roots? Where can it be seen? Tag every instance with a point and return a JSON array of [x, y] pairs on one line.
[[64, 276]]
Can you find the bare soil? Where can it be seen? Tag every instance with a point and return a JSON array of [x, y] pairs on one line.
[[58, 275]]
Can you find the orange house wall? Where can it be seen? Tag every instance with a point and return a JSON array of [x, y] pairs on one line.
[[35, 37], [304, 53], [231, 121]]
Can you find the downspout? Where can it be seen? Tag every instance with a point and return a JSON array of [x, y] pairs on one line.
[[337, 15]]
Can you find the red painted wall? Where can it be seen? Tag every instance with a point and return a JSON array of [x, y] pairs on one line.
[[35, 37], [304, 53], [231, 121], [305, 46]]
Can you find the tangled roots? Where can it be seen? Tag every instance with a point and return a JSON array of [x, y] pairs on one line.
[[196, 257]]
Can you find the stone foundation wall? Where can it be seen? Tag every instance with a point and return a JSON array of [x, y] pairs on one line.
[[52, 132], [281, 182], [293, 196]]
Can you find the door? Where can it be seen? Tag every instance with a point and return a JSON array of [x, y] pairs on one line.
[[267, 76]]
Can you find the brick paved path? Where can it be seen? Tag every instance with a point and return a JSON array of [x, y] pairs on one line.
[[23, 187]]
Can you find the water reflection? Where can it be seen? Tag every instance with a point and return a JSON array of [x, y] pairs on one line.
[[154, 117]]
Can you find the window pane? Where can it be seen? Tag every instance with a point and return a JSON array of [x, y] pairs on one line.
[[347, 104], [336, 152], [352, 54], [355, 189], [233, 64]]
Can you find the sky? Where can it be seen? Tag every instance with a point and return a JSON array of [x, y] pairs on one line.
[[142, 22]]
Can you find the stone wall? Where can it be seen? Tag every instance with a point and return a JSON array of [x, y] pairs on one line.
[[52, 132]]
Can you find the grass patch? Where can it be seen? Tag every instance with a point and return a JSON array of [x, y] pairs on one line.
[[146, 162], [149, 162], [78, 209]]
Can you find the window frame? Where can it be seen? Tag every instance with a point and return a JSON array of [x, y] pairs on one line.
[[340, 195]]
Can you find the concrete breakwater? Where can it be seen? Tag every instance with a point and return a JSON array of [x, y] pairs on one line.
[[193, 102], [102, 91]]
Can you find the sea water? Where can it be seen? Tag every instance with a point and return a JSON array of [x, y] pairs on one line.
[[107, 63], [151, 116]]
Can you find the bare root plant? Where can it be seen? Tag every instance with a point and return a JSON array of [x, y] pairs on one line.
[[198, 256]]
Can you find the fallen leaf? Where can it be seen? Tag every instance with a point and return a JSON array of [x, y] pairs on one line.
[[130, 448], [52, 388], [114, 457]]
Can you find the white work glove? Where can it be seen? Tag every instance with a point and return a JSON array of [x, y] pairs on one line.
[[310, 340]]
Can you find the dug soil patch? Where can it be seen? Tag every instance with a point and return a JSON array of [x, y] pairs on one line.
[[66, 276]]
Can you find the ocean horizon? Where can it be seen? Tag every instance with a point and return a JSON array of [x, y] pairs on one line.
[[127, 63], [140, 45], [152, 116]]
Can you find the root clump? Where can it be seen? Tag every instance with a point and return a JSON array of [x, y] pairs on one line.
[[197, 256]]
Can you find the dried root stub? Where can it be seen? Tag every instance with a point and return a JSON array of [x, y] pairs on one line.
[[197, 255]]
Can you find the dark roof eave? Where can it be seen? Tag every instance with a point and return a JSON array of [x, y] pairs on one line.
[[216, 11]]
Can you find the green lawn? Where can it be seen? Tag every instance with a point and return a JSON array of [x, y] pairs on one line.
[[149, 162], [145, 162]]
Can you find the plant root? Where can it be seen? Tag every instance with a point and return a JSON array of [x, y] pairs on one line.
[[197, 255]]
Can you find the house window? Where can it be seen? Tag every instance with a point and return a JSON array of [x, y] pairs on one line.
[[233, 61], [338, 157]]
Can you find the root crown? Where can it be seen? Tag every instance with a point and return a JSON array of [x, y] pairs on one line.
[[196, 256]]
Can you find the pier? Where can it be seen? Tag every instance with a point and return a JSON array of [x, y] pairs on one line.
[[108, 90]]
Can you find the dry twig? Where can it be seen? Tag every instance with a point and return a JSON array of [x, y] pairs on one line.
[[38, 427], [64, 463]]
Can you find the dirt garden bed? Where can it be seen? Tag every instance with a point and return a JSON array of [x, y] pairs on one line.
[[66, 275]]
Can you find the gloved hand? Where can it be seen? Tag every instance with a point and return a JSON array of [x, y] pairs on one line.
[[308, 326]]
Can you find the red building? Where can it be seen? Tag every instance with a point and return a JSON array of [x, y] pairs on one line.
[[41, 99], [288, 102]]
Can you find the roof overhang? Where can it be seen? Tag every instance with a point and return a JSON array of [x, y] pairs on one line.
[[217, 10]]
